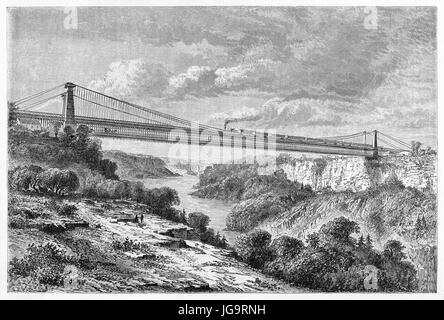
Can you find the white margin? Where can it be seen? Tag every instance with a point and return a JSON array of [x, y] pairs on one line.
[[207, 296]]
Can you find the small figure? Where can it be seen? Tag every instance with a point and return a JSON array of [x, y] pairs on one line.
[[141, 218], [136, 219]]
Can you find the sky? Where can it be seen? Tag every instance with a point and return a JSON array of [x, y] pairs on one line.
[[312, 71]]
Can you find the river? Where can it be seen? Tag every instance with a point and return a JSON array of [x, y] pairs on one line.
[[216, 210]]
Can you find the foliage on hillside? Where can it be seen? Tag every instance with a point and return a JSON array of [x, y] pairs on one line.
[[199, 222], [332, 260], [384, 211], [91, 175], [160, 201], [387, 212], [138, 166], [49, 181], [260, 196], [224, 181], [66, 149]]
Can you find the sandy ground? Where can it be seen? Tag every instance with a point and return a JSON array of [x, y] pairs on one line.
[[163, 264]]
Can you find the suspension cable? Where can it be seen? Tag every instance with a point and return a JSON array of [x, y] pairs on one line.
[[25, 108], [392, 145], [118, 110], [344, 137], [30, 97], [187, 123], [397, 140]]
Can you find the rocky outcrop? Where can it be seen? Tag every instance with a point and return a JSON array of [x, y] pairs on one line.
[[357, 173]]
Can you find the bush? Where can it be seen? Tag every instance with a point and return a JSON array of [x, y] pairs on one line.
[[57, 181], [287, 247], [198, 221], [18, 222], [52, 180], [68, 147], [67, 210], [332, 261], [44, 262], [253, 248], [127, 245], [23, 178], [214, 239]]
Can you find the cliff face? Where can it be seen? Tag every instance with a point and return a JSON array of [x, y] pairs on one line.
[[358, 174]]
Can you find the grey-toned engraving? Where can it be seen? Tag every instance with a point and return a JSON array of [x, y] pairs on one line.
[[222, 149]]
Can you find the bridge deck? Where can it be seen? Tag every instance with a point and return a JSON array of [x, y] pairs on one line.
[[246, 139]]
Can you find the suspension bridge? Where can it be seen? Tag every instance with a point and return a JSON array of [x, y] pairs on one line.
[[107, 116]]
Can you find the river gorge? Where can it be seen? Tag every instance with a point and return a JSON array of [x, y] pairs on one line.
[[216, 209]]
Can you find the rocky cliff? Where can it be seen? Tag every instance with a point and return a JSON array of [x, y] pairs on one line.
[[358, 174]]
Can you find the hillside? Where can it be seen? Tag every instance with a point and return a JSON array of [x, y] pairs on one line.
[[130, 166], [386, 211], [104, 250]]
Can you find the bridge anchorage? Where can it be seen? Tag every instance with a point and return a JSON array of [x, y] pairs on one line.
[[107, 116]]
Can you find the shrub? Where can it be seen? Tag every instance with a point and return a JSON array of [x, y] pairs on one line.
[[44, 262], [339, 231], [108, 169], [127, 245], [68, 147], [18, 222], [393, 182], [23, 178], [350, 280], [57, 181], [198, 221], [214, 239], [253, 248], [67, 210], [332, 261], [287, 247]]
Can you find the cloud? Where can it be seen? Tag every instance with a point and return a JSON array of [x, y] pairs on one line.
[[260, 74], [324, 68], [244, 114], [133, 78], [196, 81]]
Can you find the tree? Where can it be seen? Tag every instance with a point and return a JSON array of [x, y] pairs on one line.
[[57, 181], [361, 242], [198, 221], [68, 136], [339, 230], [287, 247], [56, 127], [369, 242], [138, 192], [416, 146], [253, 248], [68, 182], [23, 178], [123, 189], [313, 240], [12, 116], [108, 169], [393, 250], [47, 180]]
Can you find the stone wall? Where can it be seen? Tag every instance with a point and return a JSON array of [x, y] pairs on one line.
[[358, 173]]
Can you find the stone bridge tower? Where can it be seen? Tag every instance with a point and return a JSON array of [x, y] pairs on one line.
[[69, 112]]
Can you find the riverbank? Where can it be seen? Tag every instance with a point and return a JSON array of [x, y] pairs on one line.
[[109, 252], [216, 210]]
